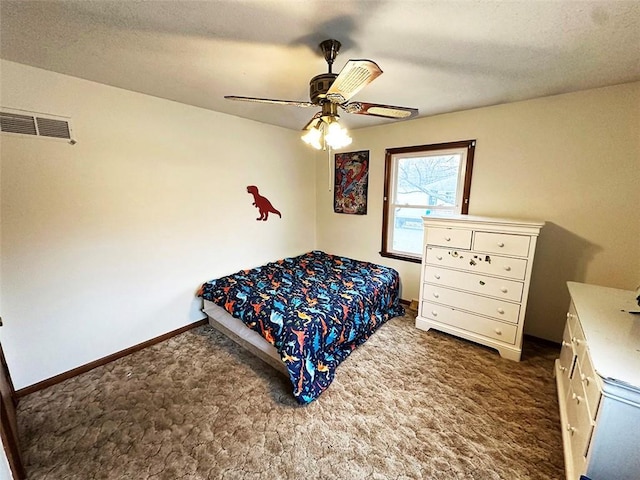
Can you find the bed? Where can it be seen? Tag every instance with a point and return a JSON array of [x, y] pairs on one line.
[[305, 314]]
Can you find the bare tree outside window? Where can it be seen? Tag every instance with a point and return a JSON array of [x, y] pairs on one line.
[[432, 179], [422, 181]]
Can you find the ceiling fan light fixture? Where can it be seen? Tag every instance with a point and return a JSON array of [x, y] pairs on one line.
[[335, 135], [313, 136], [326, 131]]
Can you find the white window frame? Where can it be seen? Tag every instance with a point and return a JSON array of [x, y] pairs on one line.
[[465, 148]]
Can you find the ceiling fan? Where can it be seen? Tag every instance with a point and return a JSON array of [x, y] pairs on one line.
[[330, 91]]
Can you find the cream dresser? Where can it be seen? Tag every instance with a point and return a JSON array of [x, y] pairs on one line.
[[598, 378], [475, 279]]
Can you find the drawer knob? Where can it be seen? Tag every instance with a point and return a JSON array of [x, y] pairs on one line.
[[575, 340], [577, 398], [434, 313], [448, 239], [437, 276], [498, 331], [501, 244], [566, 344], [562, 369], [507, 268], [439, 257], [501, 311], [571, 429], [585, 379], [570, 316], [504, 290], [436, 295]]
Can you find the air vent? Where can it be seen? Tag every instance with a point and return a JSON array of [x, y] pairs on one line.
[[35, 124], [48, 127], [14, 123]]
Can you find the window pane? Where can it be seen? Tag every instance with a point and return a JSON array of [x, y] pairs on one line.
[[410, 217], [429, 180], [407, 229]]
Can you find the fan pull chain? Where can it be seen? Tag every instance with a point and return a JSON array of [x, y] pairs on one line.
[[329, 165]]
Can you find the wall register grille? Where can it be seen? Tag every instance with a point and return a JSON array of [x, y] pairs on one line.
[[35, 124]]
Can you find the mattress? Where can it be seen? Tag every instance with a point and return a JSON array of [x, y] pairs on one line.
[[236, 330]]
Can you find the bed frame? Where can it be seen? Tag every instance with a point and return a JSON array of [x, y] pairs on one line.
[[248, 339]]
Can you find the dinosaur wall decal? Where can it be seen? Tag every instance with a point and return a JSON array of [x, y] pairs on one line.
[[263, 205]]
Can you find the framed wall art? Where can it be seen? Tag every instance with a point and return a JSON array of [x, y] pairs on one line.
[[351, 179]]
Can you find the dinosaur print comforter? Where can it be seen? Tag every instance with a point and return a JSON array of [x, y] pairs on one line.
[[315, 309]]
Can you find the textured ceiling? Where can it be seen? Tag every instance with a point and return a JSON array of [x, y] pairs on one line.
[[438, 56]]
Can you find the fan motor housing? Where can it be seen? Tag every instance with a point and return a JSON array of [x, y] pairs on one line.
[[319, 85]]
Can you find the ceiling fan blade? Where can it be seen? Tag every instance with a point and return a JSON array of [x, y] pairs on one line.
[[353, 77], [295, 103], [378, 110]]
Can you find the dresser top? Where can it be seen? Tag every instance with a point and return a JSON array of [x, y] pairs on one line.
[[613, 335], [531, 227]]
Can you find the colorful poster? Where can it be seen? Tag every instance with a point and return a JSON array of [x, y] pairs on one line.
[[351, 182]]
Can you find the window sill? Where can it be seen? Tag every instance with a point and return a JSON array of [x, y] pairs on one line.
[[397, 256]]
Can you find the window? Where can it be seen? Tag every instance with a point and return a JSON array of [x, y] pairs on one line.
[[420, 181]]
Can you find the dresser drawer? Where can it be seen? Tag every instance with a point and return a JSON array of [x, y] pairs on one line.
[[567, 357], [475, 262], [504, 332], [577, 337], [580, 423], [495, 287], [502, 243], [449, 237], [572, 318], [590, 384], [490, 307], [496, 265], [445, 257]]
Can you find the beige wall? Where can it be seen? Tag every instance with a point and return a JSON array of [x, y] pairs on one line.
[[104, 243], [571, 160]]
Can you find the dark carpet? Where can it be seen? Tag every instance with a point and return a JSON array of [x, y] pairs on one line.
[[407, 404]]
